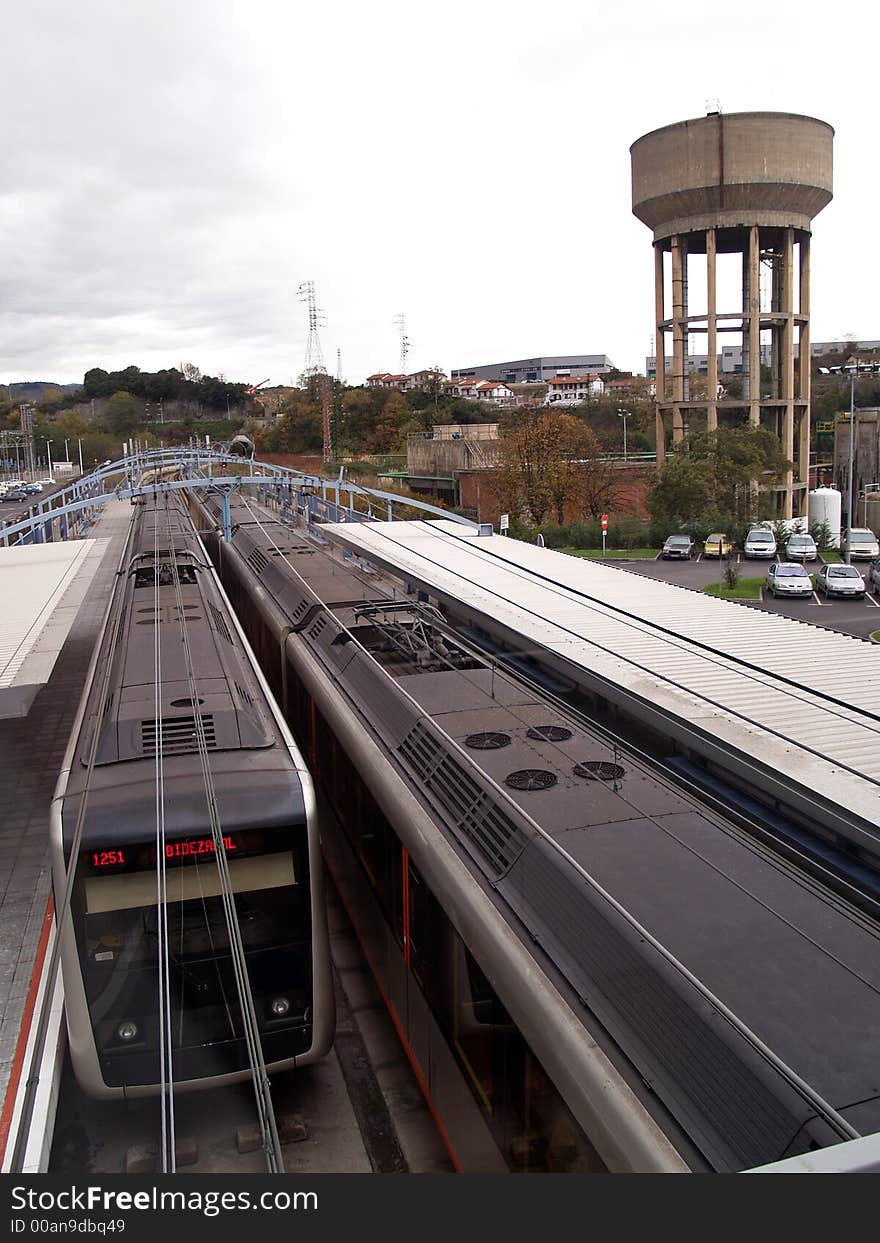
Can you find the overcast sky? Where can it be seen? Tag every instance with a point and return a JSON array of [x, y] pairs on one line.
[[172, 171]]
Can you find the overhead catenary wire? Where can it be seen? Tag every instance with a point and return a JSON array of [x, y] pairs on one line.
[[250, 1024], [168, 1147]]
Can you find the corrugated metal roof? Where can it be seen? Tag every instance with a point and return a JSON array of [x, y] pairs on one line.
[[38, 611], [787, 692]]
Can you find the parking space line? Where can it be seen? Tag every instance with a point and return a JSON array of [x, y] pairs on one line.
[[872, 600]]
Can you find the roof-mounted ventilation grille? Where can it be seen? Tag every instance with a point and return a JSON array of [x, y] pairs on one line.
[[598, 770], [220, 623], [178, 735], [487, 742], [491, 836], [531, 779], [258, 561], [549, 733]]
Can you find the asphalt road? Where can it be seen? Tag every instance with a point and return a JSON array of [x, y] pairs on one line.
[[856, 617]]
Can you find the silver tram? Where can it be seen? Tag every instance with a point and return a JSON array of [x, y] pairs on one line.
[[153, 750], [589, 968]]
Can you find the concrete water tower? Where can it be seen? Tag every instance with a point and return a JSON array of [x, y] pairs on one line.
[[747, 185]]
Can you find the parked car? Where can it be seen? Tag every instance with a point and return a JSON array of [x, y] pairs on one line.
[[760, 542], [864, 544], [717, 545], [678, 548], [801, 548], [840, 580], [874, 577], [788, 578], [16, 494]]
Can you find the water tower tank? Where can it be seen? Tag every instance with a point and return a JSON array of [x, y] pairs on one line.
[[825, 507], [872, 511]]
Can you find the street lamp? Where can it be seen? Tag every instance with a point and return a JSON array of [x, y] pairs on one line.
[[49, 452], [849, 503], [65, 450], [79, 445], [624, 414]]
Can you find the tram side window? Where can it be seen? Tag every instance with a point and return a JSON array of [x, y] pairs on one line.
[[427, 937], [379, 851], [531, 1122]]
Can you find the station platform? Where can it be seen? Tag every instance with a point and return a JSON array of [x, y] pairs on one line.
[[32, 748]]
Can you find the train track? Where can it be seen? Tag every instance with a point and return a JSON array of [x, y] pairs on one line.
[[359, 1110]]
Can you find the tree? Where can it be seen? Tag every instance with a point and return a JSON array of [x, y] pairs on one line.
[[717, 473], [544, 457], [123, 413], [396, 419]]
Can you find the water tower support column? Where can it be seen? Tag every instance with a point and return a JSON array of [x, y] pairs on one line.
[[679, 333], [711, 334], [754, 325], [659, 351], [787, 363], [804, 360]]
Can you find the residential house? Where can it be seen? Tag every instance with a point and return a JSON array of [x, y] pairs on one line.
[[571, 390]]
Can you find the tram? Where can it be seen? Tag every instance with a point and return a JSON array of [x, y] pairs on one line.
[[179, 755], [590, 968]]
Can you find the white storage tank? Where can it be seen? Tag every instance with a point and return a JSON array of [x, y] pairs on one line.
[[824, 506]]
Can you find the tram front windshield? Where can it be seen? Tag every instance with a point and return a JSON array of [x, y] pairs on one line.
[[120, 934]]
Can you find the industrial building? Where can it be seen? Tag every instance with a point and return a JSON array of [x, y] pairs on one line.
[[746, 185], [537, 370], [730, 357]]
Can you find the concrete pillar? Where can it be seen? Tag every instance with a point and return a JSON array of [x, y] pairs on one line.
[[787, 309], [678, 336], [754, 260], [711, 333], [804, 310], [803, 463], [660, 352]]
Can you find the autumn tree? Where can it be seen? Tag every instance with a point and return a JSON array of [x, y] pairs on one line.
[[392, 425], [545, 457]]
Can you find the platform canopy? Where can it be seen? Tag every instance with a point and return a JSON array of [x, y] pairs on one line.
[[41, 589]]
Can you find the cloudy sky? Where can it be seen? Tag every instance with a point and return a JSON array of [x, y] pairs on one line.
[[172, 170]]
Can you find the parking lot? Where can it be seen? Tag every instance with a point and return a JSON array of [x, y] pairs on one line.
[[856, 617]]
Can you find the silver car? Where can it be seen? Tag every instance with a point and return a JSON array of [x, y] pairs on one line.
[[874, 577], [840, 580], [864, 544], [801, 548], [678, 548], [786, 578], [760, 542]]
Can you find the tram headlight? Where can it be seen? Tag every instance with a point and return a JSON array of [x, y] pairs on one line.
[[279, 1007], [127, 1030]]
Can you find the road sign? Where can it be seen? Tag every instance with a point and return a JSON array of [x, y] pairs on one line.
[[604, 522], [503, 522]]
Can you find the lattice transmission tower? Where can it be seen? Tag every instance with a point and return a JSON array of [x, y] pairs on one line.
[[314, 374], [400, 324], [314, 364]]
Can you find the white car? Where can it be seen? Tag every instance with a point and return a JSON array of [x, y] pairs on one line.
[[760, 542], [801, 548], [787, 578]]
